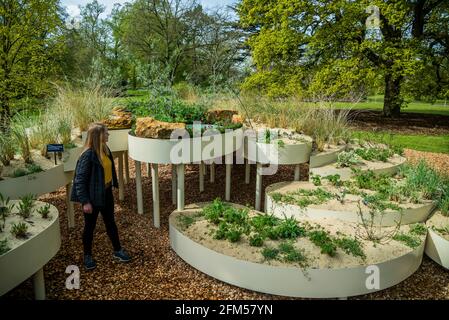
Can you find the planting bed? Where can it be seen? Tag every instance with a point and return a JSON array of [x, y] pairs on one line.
[[437, 245], [377, 158], [24, 255], [308, 260]]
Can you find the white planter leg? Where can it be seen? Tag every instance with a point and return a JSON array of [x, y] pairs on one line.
[[139, 187], [155, 183], [201, 176], [204, 169], [126, 159], [39, 285], [70, 207], [121, 186], [173, 183], [297, 172], [212, 172], [228, 182], [258, 186], [247, 171], [180, 191]]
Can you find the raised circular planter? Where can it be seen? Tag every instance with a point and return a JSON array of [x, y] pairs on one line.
[[410, 215], [437, 246], [329, 156], [292, 281], [70, 158], [202, 149], [28, 257], [272, 154], [390, 167], [37, 184]]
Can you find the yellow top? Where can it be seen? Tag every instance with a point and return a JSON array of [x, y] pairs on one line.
[[107, 166]]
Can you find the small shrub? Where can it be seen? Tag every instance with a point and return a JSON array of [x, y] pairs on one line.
[[323, 240], [234, 234], [334, 180], [4, 246], [270, 253], [26, 206], [347, 159], [289, 229], [214, 212], [44, 211], [408, 240], [316, 180], [351, 246], [419, 229], [20, 230], [256, 240], [7, 148]]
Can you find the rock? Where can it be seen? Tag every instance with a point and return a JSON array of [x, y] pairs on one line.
[[151, 128], [220, 115], [119, 119]]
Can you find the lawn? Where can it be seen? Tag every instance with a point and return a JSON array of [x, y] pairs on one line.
[[416, 142], [376, 103]]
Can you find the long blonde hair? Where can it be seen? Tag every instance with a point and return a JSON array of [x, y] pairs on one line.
[[95, 138]]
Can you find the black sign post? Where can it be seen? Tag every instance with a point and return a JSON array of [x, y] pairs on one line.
[[55, 148]]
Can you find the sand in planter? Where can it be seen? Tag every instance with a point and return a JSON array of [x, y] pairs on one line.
[[201, 232], [35, 224], [350, 203], [439, 221]]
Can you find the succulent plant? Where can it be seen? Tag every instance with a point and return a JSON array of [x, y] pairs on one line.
[[26, 206], [44, 211], [20, 230]]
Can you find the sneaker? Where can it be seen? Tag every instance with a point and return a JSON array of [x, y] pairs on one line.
[[122, 256], [89, 262]]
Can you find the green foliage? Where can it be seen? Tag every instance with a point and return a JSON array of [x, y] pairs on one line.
[[20, 230], [4, 246], [7, 148], [270, 253], [323, 240], [26, 205], [351, 246], [44, 211], [256, 240], [374, 153], [302, 197], [418, 229], [316, 179], [409, 240], [291, 254], [347, 159], [334, 180], [30, 168], [19, 129], [6, 209], [214, 211], [289, 229], [424, 178]]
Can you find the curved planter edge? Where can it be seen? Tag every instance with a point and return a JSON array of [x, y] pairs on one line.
[[437, 248], [290, 281]]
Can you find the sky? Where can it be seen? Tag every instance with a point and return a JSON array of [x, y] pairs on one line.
[[73, 10]]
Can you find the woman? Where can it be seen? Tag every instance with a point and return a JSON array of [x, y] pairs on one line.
[[92, 186]]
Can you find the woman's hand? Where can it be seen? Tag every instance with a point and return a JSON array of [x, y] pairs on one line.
[[87, 208]]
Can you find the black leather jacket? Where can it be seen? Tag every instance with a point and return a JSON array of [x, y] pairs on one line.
[[88, 183]]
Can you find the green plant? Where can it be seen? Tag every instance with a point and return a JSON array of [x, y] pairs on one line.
[[374, 153], [316, 179], [419, 229], [281, 144], [444, 206], [44, 211], [214, 211], [408, 240], [256, 240], [270, 253], [290, 253], [20, 230], [6, 209], [4, 246], [19, 130], [26, 206], [221, 232], [234, 233], [7, 148], [351, 246], [289, 229], [335, 180], [323, 240], [347, 159]]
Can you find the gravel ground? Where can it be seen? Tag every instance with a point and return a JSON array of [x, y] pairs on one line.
[[158, 273]]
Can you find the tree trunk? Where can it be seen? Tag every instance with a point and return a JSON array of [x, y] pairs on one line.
[[392, 99]]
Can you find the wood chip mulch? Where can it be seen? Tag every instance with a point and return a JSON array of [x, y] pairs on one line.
[[156, 272]]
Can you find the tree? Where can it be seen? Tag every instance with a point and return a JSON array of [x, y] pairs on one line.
[[29, 50], [323, 47]]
